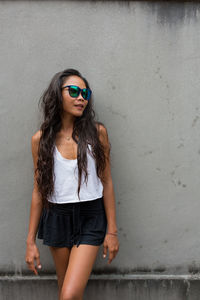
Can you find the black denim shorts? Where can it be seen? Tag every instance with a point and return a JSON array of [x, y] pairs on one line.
[[68, 224]]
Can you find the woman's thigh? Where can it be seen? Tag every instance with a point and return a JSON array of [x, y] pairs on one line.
[[61, 259], [80, 265]]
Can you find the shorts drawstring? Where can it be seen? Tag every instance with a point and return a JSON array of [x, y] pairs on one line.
[[76, 224]]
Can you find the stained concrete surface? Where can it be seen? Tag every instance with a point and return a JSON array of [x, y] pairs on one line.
[[115, 289], [142, 61]]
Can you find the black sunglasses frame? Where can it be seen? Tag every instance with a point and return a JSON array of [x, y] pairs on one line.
[[79, 91]]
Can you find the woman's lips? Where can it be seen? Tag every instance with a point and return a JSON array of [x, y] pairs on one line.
[[79, 107]]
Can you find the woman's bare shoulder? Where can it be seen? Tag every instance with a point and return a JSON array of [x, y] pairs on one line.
[[103, 135], [101, 128], [35, 145], [35, 142], [36, 137]]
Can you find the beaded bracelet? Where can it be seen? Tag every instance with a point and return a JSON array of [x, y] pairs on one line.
[[112, 233]]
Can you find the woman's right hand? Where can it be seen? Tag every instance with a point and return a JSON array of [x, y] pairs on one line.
[[32, 254]]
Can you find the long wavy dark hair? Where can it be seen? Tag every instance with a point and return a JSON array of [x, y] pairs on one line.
[[85, 128]]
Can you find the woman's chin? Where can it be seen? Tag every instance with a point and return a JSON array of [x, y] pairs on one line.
[[78, 113]]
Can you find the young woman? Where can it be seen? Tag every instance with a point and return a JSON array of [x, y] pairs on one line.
[[73, 205]]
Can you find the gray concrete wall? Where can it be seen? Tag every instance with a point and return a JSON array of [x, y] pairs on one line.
[[142, 61]]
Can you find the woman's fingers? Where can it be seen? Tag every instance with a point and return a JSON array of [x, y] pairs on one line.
[[34, 269], [111, 244], [32, 255], [39, 266], [105, 249], [31, 267], [112, 254]]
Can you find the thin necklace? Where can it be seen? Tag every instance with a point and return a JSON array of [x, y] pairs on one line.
[[68, 137]]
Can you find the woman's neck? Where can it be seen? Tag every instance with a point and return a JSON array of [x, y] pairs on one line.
[[67, 124]]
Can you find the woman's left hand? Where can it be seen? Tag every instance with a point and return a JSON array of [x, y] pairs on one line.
[[110, 243]]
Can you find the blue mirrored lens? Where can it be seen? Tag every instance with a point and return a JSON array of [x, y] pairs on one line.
[[74, 91], [86, 93]]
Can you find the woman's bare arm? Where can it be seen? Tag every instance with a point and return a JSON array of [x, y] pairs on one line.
[[35, 212], [111, 241]]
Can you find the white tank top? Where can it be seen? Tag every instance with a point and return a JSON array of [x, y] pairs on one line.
[[66, 180]]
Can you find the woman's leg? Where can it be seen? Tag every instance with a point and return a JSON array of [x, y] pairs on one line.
[[61, 259], [80, 265]]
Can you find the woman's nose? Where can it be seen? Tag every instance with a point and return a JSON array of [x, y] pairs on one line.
[[80, 97]]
